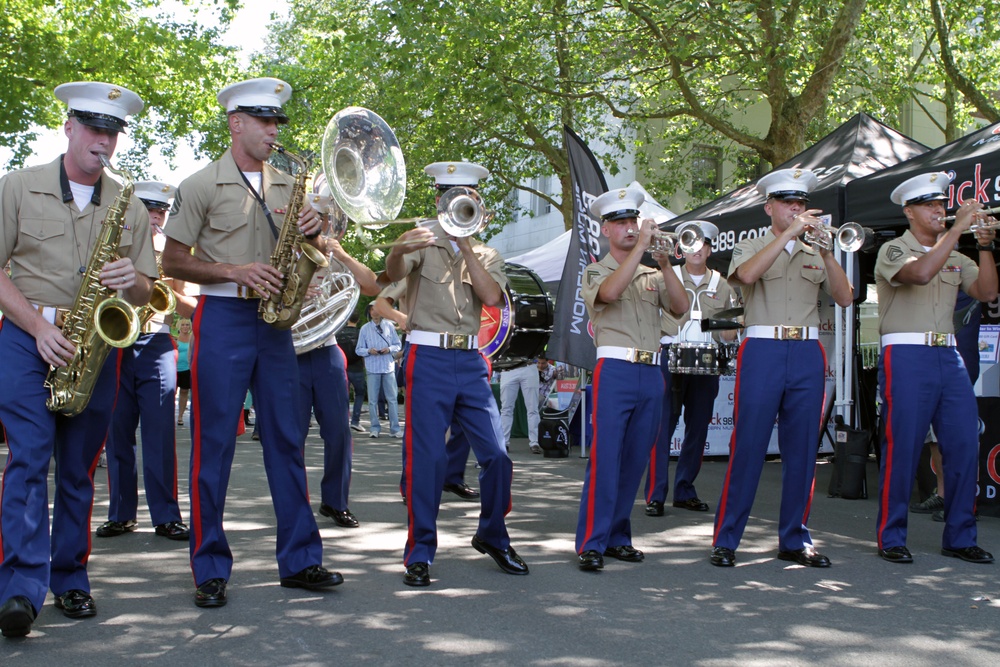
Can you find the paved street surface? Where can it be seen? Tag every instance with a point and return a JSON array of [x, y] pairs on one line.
[[673, 609]]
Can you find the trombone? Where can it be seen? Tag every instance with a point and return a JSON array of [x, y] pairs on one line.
[[366, 175]]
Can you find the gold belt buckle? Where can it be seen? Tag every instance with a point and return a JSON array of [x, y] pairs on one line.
[[642, 357], [935, 339], [793, 333], [244, 292], [456, 341]]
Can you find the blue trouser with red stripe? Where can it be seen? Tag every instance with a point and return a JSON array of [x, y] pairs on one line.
[[146, 388], [457, 449], [443, 386], [31, 562], [783, 379], [697, 399], [323, 389], [234, 350], [658, 477], [628, 399], [921, 386]]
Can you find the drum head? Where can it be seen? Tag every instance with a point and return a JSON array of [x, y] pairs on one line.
[[517, 332]]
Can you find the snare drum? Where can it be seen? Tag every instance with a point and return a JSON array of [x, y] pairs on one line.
[[694, 358], [727, 358], [517, 332]]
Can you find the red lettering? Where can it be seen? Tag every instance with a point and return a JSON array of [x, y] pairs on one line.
[[961, 189], [991, 464], [981, 185]]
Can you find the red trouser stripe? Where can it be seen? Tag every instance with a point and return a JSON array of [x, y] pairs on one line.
[[592, 487], [720, 515], [196, 530], [411, 356], [890, 444]]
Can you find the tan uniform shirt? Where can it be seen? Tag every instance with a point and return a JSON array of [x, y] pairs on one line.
[[634, 319], [439, 287], [216, 213], [47, 240], [919, 308], [788, 292], [396, 294], [710, 302]]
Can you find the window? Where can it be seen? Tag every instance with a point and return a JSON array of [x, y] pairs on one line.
[[706, 172], [540, 206], [749, 167]]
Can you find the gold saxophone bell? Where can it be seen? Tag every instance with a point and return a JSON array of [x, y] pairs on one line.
[[117, 322]]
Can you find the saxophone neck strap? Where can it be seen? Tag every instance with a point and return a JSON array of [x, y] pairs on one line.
[[259, 198]]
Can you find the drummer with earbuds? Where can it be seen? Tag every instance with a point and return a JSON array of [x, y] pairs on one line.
[[231, 212], [448, 280], [623, 300], [921, 375], [708, 293], [146, 388], [323, 377], [781, 368]]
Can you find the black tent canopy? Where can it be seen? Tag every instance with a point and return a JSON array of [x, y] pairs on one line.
[[974, 160], [859, 147]]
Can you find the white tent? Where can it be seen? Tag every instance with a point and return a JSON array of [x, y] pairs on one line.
[[548, 260]]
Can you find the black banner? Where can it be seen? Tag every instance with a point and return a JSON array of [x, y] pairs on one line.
[[572, 339]]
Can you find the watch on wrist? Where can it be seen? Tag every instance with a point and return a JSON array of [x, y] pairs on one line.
[[985, 248]]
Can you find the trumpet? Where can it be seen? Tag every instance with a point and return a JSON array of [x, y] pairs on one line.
[[850, 236], [986, 225], [689, 238]]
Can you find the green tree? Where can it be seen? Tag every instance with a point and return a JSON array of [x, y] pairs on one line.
[[175, 66]]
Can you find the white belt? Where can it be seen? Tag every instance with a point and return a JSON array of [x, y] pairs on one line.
[[632, 354], [668, 340], [782, 332], [926, 338], [49, 312], [156, 327], [447, 341], [231, 290]]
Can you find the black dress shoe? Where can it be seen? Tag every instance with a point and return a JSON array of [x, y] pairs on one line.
[[625, 552], [313, 578], [896, 555], [175, 530], [723, 557], [969, 554], [654, 508], [507, 559], [116, 528], [76, 603], [417, 574], [463, 491], [340, 517], [212, 593], [591, 560], [805, 556], [693, 504], [16, 616]]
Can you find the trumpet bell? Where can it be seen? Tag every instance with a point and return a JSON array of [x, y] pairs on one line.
[[851, 237], [688, 238], [461, 212], [364, 166]]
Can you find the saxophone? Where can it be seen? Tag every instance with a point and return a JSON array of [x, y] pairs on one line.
[[161, 300], [296, 259], [98, 320]]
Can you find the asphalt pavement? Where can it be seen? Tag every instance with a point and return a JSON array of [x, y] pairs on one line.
[[673, 609]]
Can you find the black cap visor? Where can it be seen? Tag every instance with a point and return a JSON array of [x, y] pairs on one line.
[[154, 205], [789, 195], [99, 120], [620, 215], [263, 112], [441, 187], [930, 196]]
